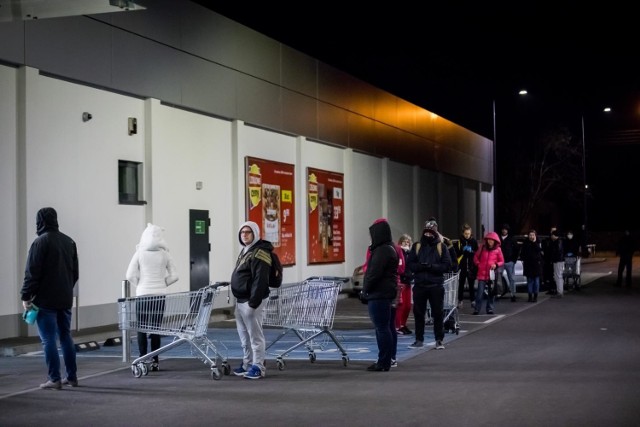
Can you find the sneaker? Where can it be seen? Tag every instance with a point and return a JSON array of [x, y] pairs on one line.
[[155, 367], [254, 373], [404, 330], [400, 331], [394, 363], [72, 383], [417, 344], [240, 371], [51, 385], [490, 312], [439, 345], [513, 298], [476, 313]]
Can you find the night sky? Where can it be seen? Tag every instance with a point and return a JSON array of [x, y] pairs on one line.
[[456, 61]]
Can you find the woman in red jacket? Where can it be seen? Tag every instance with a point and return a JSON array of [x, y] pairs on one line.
[[488, 258]]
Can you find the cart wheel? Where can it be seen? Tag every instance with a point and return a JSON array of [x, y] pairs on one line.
[[136, 371], [226, 368], [215, 374], [457, 331], [280, 364], [345, 360], [312, 357], [144, 368]]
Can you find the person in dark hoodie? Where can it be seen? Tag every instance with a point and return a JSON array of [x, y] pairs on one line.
[[380, 286], [429, 260], [49, 278], [250, 287]]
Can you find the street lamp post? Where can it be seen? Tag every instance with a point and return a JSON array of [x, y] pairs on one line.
[[495, 169]]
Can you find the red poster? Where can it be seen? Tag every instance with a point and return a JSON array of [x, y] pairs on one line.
[[326, 212], [271, 204]]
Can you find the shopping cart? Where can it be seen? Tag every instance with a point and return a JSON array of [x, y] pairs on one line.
[[450, 305], [306, 309], [183, 315], [571, 272]]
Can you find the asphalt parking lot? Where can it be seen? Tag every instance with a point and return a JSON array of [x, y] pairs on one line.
[[558, 362]]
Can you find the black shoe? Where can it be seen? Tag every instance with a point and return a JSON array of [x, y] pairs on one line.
[[155, 367], [513, 298], [377, 368], [490, 312]]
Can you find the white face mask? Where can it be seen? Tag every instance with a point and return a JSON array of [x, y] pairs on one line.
[[569, 236]]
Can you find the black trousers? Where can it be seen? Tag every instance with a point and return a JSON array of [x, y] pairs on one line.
[[434, 295]]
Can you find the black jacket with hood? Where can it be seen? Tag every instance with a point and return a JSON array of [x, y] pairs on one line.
[[52, 265], [427, 264], [381, 277], [250, 278]]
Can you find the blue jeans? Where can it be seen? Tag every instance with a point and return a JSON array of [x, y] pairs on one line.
[[53, 324], [509, 267], [380, 315], [533, 285], [480, 295]]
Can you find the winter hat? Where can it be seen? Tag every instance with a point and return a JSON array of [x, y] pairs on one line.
[[506, 227], [431, 226]]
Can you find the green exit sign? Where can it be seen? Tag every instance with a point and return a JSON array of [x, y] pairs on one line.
[[200, 227]]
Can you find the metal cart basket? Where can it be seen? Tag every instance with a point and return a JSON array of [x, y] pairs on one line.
[[183, 315], [306, 309], [450, 306]]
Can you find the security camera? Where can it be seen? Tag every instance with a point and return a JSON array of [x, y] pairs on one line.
[[86, 117]]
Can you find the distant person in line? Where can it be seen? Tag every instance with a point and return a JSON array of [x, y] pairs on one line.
[[531, 256], [151, 270], [49, 278], [572, 250], [488, 258], [548, 283], [511, 252], [380, 288], [555, 253], [406, 280], [250, 287], [429, 260], [626, 248], [465, 250]]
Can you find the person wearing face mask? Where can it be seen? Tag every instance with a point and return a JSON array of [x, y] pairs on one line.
[[572, 251], [429, 260], [406, 280]]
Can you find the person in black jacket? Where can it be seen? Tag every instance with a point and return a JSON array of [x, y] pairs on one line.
[[250, 287], [49, 278], [510, 251], [380, 286], [532, 261], [429, 260], [465, 249], [626, 248]]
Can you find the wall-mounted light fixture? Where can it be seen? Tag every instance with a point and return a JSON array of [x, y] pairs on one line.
[[133, 126], [198, 185], [86, 117]]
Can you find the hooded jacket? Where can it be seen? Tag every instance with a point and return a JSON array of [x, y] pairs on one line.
[[427, 264], [151, 269], [486, 257], [250, 278], [381, 273], [52, 265]]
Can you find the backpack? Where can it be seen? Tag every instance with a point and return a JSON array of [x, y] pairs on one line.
[[275, 272]]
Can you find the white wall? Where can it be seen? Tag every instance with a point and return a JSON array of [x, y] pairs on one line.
[[73, 166]]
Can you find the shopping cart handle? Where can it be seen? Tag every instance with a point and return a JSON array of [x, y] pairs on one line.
[[217, 285]]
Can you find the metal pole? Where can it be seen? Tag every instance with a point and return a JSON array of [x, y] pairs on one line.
[[495, 168], [586, 187], [126, 351]]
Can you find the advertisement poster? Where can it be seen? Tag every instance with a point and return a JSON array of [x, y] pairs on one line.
[[270, 204], [326, 212]]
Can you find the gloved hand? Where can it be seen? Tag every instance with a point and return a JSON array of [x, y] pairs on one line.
[[467, 248], [27, 304]]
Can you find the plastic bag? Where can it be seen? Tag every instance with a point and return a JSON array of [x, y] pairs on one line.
[[31, 314]]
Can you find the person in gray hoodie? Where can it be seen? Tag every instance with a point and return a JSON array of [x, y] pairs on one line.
[[250, 287]]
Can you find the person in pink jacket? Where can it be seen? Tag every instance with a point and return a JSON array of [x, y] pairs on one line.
[[488, 258]]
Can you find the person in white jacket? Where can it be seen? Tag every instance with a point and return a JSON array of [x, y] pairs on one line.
[[151, 271]]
